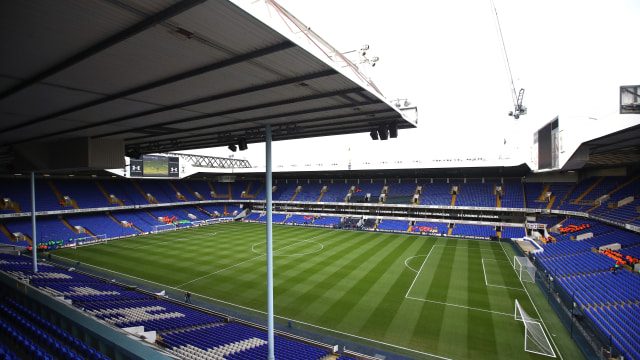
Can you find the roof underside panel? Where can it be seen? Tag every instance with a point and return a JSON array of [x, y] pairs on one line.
[[167, 75]]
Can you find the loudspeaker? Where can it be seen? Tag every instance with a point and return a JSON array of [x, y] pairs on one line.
[[242, 144], [374, 135], [383, 132], [393, 130]]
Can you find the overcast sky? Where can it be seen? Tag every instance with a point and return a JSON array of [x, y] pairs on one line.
[[570, 56]]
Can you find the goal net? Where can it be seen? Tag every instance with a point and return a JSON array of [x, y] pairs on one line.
[[525, 269], [535, 340], [163, 228], [90, 240]]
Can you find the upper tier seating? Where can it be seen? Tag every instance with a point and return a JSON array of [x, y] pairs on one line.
[[364, 188], [181, 187], [437, 193], [476, 194], [512, 197], [310, 192], [125, 190], [336, 192], [85, 192]]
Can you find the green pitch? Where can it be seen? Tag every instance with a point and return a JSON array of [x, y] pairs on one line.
[[414, 295]]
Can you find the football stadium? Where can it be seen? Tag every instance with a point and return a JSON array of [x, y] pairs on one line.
[[123, 237]]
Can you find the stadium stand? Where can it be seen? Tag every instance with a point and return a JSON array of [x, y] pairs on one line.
[[336, 192], [221, 190], [429, 227], [275, 218], [186, 331], [85, 192], [327, 221], [253, 216], [476, 194], [181, 188], [474, 230], [393, 225], [436, 193], [363, 189], [199, 186], [285, 192], [533, 193], [238, 188], [139, 219], [310, 192], [578, 269], [37, 338], [513, 195], [99, 224], [125, 190], [513, 232], [299, 219]]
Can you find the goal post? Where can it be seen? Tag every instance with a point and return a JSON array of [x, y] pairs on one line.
[[162, 228], [525, 269], [535, 339], [90, 240]]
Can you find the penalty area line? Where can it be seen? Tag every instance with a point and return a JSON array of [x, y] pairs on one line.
[[460, 306]]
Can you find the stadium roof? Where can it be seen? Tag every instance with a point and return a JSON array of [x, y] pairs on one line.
[[84, 83], [618, 149]]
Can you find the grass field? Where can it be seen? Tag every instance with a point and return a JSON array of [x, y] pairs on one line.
[[425, 296]]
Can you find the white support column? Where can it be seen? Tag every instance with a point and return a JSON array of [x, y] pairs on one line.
[[34, 242], [269, 205]]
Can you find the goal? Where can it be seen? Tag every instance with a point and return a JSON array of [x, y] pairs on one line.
[[90, 240], [535, 340], [525, 269], [163, 228]]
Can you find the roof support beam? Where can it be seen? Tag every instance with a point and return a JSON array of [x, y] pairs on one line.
[[152, 20], [204, 139], [231, 111], [189, 103]]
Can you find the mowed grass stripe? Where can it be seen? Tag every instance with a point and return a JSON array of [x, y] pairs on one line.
[[334, 286], [375, 285], [478, 297], [388, 291]]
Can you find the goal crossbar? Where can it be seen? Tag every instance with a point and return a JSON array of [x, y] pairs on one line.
[[525, 269]]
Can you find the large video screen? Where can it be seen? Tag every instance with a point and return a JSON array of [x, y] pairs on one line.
[[548, 151], [155, 166]]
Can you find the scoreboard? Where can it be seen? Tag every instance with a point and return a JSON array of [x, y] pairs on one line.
[[155, 166]]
